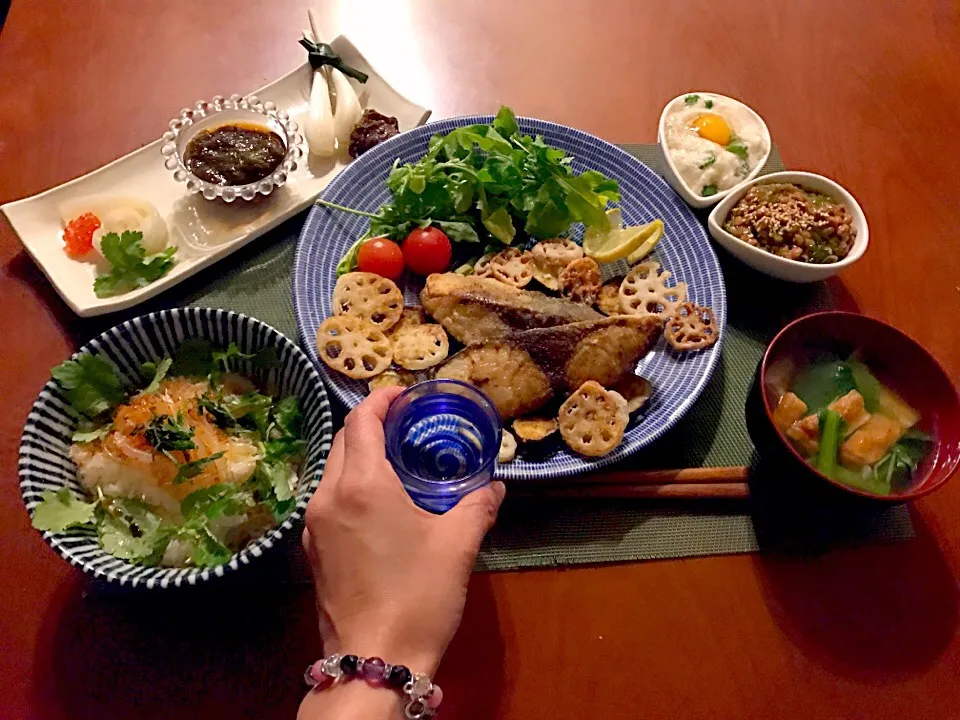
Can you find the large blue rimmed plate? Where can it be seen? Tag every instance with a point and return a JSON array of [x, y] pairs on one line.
[[684, 250]]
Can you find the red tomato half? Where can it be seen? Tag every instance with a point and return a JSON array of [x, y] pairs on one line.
[[382, 257], [427, 250]]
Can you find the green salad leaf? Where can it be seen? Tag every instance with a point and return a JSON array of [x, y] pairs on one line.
[[156, 372], [130, 266], [90, 385], [61, 509], [487, 183]]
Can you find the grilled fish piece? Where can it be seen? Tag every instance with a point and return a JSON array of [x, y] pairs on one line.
[[473, 309], [522, 371]]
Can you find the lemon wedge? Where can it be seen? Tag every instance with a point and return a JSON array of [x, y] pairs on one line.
[[619, 242]]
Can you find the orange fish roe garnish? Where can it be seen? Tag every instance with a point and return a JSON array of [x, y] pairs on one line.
[[78, 235]]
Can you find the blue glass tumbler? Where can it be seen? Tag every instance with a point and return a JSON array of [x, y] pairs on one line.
[[443, 438]]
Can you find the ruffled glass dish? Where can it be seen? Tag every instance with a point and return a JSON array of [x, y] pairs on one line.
[[207, 115]]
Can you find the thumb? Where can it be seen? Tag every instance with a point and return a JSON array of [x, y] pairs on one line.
[[475, 514]]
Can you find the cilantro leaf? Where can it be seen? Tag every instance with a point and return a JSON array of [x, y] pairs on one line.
[[191, 469], [691, 99], [90, 385], [130, 267], [251, 410], [156, 372], [222, 360], [221, 415], [286, 414], [60, 510], [216, 501], [193, 359], [208, 551], [166, 434]]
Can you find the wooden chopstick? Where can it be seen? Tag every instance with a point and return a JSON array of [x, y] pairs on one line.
[[718, 482], [702, 490]]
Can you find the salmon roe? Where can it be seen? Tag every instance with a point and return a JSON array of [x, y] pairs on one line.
[[78, 235]]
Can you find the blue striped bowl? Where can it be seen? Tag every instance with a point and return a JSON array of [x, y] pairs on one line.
[[684, 250], [44, 446]]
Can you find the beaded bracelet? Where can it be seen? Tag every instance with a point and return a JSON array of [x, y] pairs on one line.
[[423, 697]]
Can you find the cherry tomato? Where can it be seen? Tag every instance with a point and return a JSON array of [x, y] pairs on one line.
[[427, 250], [382, 257]]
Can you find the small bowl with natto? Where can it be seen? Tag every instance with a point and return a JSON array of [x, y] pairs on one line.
[[245, 112], [780, 267]]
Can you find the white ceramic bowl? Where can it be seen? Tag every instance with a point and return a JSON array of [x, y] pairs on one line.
[[774, 265], [670, 173]]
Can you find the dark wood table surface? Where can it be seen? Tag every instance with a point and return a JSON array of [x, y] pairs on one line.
[[865, 93]]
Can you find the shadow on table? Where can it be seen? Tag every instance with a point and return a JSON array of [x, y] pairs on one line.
[[878, 614], [237, 650]]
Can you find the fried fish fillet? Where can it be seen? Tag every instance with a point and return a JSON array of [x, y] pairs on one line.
[[522, 371], [473, 309]]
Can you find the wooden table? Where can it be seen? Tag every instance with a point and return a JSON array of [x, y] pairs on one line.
[[865, 94]]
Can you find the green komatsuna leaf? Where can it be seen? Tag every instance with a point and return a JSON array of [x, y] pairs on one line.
[[90, 385], [59, 510]]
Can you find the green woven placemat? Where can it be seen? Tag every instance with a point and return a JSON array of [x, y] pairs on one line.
[[712, 434]]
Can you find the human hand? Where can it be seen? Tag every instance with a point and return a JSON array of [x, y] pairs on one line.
[[390, 578]]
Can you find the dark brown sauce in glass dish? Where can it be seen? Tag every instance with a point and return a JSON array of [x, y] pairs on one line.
[[232, 148], [235, 154]]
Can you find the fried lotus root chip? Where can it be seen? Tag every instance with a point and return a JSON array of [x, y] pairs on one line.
[[644, 291], [691, 328], [534, 429], [369, 297], [608, 300], [508, 447], [592, 420], [580, 281], [635, 390], [482, 268], [392, 378], [550, 257], [350, 346], [420, 347], [512, 267], [410, 316]]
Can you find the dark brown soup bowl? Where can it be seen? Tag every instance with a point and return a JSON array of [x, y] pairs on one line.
[[897, 360]]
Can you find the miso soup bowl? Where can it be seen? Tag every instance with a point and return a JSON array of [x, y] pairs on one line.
[[897, 360]]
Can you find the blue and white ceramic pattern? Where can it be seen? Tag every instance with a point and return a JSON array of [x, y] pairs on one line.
[[684, 250], [44, 447]]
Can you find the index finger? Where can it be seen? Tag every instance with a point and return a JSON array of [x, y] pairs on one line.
[[363, 426]]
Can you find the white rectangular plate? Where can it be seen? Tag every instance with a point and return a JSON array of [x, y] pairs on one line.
[[204, 231]]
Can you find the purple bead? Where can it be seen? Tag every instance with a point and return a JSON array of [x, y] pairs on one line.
[[400, 675], [373, 670], [348, 663]]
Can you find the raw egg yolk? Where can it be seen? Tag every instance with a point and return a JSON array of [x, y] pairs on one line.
[[713, 128]]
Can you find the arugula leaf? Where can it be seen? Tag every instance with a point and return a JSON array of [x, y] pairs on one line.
[[191, 469], [691, 99], [505, 122], [193, 359], [59, 510], [130, 267], [156, 372], [166, 434], [458, 231], [709, 190], [90, 385], [710, 160]]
